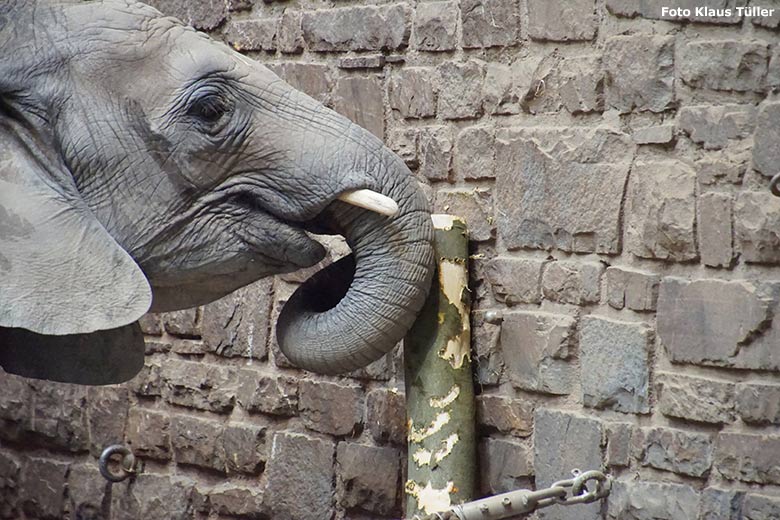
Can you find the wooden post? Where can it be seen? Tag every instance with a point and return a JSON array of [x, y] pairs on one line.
[[439, 385]]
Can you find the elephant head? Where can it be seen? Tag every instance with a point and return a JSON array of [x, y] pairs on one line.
[[144, 165]]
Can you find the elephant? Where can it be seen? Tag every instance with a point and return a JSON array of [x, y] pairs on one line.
[[147, 167]]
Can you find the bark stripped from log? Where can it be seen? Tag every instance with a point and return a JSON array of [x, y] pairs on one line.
[[439, 387]]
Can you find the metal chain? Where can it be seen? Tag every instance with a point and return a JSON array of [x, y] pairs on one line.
[[583, 488]]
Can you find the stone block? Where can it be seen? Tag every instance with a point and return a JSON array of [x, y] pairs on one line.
[[639, 72], [766, 150], [206, 15], [313, 79], [259, 393], [489, 23], [718, 323], [435, 26], [537, 80], [435, 152], [367, 478], [562, 441], [738, 65], [487, 358], [86, 492], [615, 364], [758, 403], [157, 496], [715, 229], [679, 451], [536, 348], [547, 196], [182, 323], [245, 448], [748, 457], [368, 61], [721, 504], [231, 500], [59, 416], [361, 99], [661, 211], [691, 398], [10, 469], [198, 442], [756, 225], [151, 324], [300, 478], [619, 443], [253, 35], [773, 72], [660, 134], [413, 92], [562, 20], [509, 416], [331, 408], [289, 39], [498, 91], [713, 126], [577, 283], [460, 94], [405, 143], [386, 416], [724, 169], [642, 500], [149, 434], [582, 84], [357, 28], [760, 507], [632, 289], [200, 385], [237, 324], [504, 465], [42, 487], [107, 412], [515, 280], [713, 12], [473, 205], [475, 153]]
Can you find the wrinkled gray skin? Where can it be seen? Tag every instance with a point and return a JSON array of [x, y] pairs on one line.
[[143, 164]]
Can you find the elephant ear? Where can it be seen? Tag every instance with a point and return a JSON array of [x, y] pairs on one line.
[[61, 273]]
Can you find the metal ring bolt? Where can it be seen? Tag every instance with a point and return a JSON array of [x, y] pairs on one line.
[[126, 467]]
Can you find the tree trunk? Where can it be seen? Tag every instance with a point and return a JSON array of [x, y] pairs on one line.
[[439, 386]]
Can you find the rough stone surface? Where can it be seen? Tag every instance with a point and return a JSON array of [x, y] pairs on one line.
[[199, 442], [435, 26], [619, 443], [725, 64], [713, 126], [149, 434], [367, 477], [435, 151], [766, 151], [536, 348], [756, 224], [475, 153], [289, 39], [489, 23], [632, 289], [460, 96], [715, 230], [330, 407], [661, 214], [245, 448], [760, 507], [615, 370], [229, 500], [300, 478], [412, 92], [42, 487], [748, 457], [509, 416], [360, 99], [359, 28], [563, 441], [678, 451], [758, 403], [570, 282], [711, 322], [253, 35], [386, 416], [474, 206], [546, 205], [559, 20], [206, 15], [662, 134], [311, 78], [157, 496], [721, 504], [639, 73], [582, 85], [695, 398], [515, 280], [637, 500], [200, 385], [266, 394], [505, 465]]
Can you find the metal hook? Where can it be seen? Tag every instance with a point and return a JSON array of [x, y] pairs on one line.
[[127, 465]]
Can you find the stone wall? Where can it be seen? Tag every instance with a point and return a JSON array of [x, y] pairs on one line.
[[613, 168]]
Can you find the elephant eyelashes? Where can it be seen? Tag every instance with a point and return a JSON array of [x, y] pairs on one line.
[[210, 109]]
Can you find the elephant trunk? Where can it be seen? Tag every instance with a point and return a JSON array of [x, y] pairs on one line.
[[357, 309]]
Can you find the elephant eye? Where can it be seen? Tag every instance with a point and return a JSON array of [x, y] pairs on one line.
[[209, 109]]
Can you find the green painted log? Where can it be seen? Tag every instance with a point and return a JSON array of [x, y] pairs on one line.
[[439, 385]]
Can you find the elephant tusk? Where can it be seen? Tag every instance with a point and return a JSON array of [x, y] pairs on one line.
[[372, 201]]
